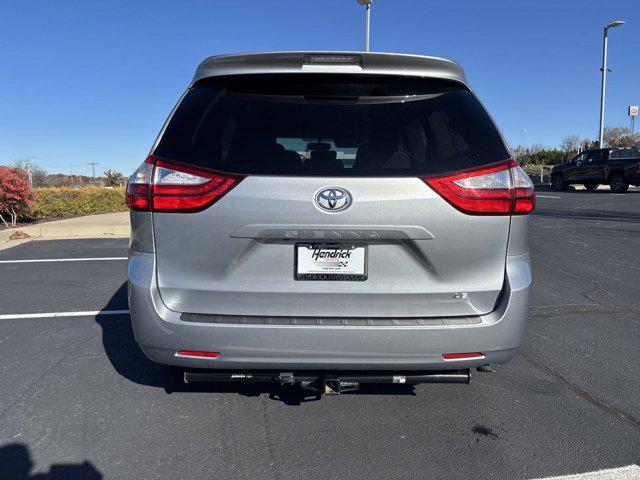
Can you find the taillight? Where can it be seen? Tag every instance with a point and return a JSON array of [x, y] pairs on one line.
[[138, 187], [524, 194], [501, 188], [171, 187]]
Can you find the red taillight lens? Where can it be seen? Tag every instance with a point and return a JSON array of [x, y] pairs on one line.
[[171, 187], [502, 188], [198, 353], [524, 193], [138, 187], [462, 356], [178, 188]]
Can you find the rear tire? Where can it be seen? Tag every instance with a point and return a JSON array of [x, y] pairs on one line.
[[618, 183], [591, 186], [557, 183]]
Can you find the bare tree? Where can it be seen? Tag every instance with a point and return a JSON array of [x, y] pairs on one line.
[[113, 178], [518, 151], [570, 145], [620, 137], [38, 176], [21, 163], [536, 148], [587, 143]]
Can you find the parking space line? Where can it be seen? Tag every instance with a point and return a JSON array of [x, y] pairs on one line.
[[546, 196], [18, 316], [630, 472], [38, 260]]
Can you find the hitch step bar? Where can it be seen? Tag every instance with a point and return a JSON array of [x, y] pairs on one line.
[[329, 382]]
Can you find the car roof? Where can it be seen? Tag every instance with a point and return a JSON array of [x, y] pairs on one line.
[[608, 149], [369, 63]]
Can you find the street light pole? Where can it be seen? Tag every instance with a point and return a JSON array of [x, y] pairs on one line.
[[366, 28], [367, 21], [29, 173], [603, 89]]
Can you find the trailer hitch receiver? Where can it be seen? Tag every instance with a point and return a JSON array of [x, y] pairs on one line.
[[327, 382]]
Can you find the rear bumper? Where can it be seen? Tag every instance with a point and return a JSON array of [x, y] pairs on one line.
[[160, 333]]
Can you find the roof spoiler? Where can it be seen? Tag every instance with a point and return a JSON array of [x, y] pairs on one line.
[[331, 62]]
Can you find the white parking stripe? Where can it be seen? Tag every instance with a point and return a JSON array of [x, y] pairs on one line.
[[546, 196], [17, 316], [37, 260], [630, 472]]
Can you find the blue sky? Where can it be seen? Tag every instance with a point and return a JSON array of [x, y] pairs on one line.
[[89, 81]]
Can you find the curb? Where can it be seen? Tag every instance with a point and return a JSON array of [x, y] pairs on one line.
[[62, 230], [87, 232]]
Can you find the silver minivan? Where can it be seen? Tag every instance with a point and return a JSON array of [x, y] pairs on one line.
[[329, 216]]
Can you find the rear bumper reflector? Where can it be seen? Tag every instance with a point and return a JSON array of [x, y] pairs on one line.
[[462, 356], [197, 353]]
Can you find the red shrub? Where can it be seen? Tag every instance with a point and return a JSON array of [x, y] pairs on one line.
[[15, 195]]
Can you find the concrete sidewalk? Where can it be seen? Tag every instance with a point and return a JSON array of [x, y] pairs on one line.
[[90, 226]]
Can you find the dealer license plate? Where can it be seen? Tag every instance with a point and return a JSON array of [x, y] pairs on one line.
[[330, 262]]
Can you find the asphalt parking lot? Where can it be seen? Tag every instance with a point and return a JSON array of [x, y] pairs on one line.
[[77, 397]]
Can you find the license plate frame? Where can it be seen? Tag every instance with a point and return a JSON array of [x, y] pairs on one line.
[[330, 275]]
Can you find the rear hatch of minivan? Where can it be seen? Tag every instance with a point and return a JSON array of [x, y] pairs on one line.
[[256, 177]]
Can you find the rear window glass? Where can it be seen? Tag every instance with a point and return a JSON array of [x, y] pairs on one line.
[[327, 125]]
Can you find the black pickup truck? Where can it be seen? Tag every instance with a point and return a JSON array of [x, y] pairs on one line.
[[616, 167]]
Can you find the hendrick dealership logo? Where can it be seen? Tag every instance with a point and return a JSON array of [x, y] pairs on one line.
[[330, 254]]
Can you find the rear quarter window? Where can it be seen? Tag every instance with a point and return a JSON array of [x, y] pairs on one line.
[[625, 154], [324, 125]]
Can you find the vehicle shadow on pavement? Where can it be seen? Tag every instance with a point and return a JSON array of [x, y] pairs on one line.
[[129, 361], [16, 464]]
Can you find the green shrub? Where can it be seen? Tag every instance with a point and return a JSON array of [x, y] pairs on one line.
[[60, 202]]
